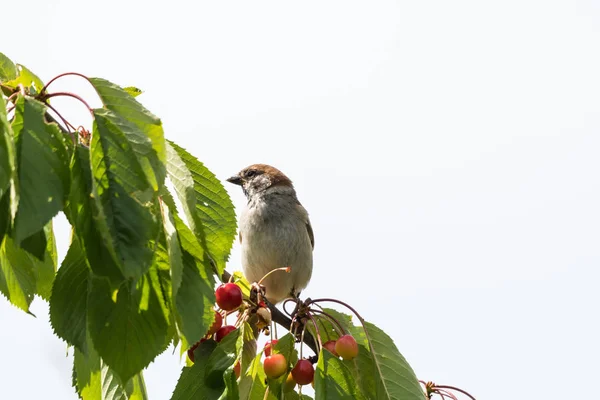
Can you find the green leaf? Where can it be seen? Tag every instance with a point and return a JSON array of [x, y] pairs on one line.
[[26, 78], [333, 379], [191, 384], [123, 103], [94, 380], [153, 168], [242, 282], [232, 391], [195, 296], [87, 376], [45, 271], [7, 151], [382, 373], [133, 91], [160, 274], [222, 358], [8, 70], [295, 396], [17, 278], [252, 383], [68, 304], [136, 388], [327, 330], [286, 346], [395, 378], [23, 275], [248, 351], [128, 328], [205, 201], [35, 244], [80, 210], [5, 213], [123, 197], [8, 171], [43, 168], [173, 249]]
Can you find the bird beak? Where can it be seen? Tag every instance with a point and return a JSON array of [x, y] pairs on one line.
[[236, 180]]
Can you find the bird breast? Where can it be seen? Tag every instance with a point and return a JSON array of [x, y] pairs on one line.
[[274, 235]]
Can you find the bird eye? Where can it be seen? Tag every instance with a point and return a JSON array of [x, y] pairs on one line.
[[250, 173]]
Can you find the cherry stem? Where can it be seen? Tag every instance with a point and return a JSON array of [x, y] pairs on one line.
[[58, 94], [445, 393], [67, 124], [314, 322], [65, 74], [339, 329], [240, 317], [455, 388], [285, 303], [279, 317], [286, 269], [360, 318], [11, 97]]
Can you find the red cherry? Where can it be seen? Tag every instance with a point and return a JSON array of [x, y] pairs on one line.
[[346, 347], [224, 331], [190, 351], [275, 366], [330, 345], [268, 346], [216, 325], [303, 372], [229, 296]]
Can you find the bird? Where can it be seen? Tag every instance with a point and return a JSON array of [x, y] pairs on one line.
[[274, 232]]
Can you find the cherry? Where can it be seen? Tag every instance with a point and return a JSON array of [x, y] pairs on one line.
[[224, 331], [229, 296], [216, 325], [289, 384], [330, 345], [303, 372], [268, 346], [346, 347], [275, 366], [190, 351]]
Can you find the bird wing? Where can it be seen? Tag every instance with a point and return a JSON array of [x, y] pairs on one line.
[[311, 235], [309, 229]]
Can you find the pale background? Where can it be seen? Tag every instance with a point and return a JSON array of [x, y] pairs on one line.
[[447, 151]]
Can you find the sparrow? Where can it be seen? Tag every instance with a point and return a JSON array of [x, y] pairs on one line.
[[274, 232]]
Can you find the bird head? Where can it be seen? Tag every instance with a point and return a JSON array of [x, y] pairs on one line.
[[257, 178]]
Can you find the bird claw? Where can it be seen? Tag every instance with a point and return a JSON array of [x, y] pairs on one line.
[[257, 293]]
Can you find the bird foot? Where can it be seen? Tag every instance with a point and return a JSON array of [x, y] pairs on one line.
[[257, 293]]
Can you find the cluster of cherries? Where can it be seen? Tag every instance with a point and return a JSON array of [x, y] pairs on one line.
[[229, 298], [275, 365]]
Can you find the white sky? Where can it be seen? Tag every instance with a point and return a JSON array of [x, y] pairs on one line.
[[447, 152]]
